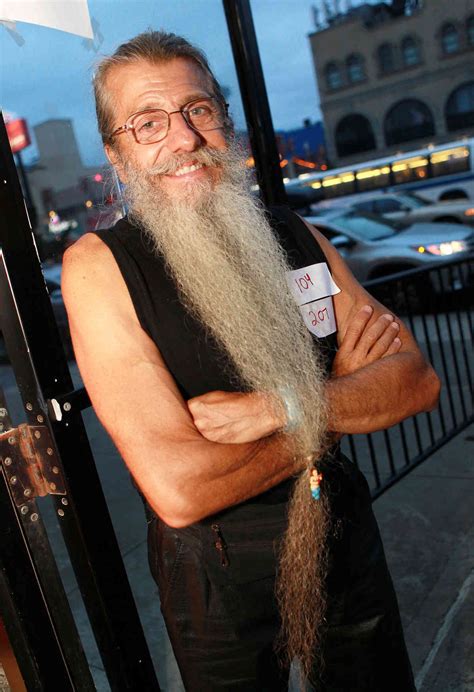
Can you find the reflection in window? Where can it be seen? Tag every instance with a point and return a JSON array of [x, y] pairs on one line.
[[410, 51], [408, 120], [470, 30], [355, 69], [449, 39], [449, 161], [386, 58], [354, 134], [460, 107], [405, 171], [333, 76], [337, 185], [372, 178]]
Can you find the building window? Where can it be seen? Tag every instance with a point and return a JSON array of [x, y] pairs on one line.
[[354, 134], [410, 51], [355, 69], [333, 76], [408, 120], [449, 39], [470, 30], [386, 58], [460, 107]]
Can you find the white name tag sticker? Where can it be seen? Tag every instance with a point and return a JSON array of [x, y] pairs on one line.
[[319, 316], [310, 283]]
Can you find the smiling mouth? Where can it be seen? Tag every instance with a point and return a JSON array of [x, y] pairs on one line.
[[184, 170]]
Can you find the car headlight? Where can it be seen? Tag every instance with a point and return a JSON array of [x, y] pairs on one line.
[[451, 247]]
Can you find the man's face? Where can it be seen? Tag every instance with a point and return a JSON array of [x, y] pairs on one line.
[[168, 86]]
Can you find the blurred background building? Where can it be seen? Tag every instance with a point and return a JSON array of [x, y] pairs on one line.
[[62, 187], [393, 76], [302, 149]]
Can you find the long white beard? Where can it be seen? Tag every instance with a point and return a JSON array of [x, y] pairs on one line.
[[231, 274]]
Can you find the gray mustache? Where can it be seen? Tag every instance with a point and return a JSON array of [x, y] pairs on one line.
[[205, 156]]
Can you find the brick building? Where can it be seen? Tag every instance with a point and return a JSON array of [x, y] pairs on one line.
[[395, 76]]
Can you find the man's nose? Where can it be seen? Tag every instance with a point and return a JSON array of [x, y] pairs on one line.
[[181, 136]]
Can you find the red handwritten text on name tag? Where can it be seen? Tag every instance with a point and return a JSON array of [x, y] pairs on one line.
[[318, 316], [304, 282]]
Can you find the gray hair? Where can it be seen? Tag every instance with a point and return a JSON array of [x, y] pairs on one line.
[[155, 47]]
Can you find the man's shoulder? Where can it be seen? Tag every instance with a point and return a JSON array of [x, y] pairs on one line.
[[90, 254], [94, 244], [90, 275], [88, 248]]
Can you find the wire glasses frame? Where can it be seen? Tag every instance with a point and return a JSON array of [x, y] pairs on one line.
[[152, 125]]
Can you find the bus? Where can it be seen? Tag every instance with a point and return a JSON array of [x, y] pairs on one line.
[[442, 172]]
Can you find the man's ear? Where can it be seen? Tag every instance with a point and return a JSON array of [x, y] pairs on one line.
[[115, 160]]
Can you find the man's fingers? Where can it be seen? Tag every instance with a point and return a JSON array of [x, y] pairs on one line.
[[393, 348], [385, 340], [356, 329], [371, 336]]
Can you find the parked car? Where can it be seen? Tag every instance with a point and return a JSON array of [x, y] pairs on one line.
[[406, 206], [374, 247]]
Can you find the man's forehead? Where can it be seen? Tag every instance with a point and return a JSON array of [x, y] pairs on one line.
[[164, 81]]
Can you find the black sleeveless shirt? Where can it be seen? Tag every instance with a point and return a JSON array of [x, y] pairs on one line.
[[194, 359]]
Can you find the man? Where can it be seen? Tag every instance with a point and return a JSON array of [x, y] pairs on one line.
[[205, 330]]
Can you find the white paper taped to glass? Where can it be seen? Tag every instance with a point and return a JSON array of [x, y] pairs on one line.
[[312, 287], [65, 15]]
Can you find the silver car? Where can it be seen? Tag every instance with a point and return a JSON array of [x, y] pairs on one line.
[[373, 247], [406, 206]]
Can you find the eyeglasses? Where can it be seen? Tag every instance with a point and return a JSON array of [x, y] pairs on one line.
[[152, 125]]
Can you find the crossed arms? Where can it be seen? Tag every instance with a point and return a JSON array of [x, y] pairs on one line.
[[170, 445]]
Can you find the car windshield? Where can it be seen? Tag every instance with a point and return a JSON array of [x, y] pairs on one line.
[[323, 211], [368, 226], [415, 200]]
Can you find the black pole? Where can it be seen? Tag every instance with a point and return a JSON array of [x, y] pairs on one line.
[[254, 97]]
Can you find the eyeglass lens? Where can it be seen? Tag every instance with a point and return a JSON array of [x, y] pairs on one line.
[[205, 114]]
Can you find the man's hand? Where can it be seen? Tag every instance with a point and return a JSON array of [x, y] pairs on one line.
[[236, 417], [362, 345]]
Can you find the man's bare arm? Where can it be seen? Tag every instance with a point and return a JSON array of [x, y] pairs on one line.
[[184, 476], [379, 374], [236, 417], [386, 391]]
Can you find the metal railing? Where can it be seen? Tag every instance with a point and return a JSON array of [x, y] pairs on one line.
[[437, 304]]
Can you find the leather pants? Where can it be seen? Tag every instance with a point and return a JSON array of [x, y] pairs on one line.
[[220, 611]]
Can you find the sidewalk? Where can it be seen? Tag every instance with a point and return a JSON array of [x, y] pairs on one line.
[[427, 523]]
